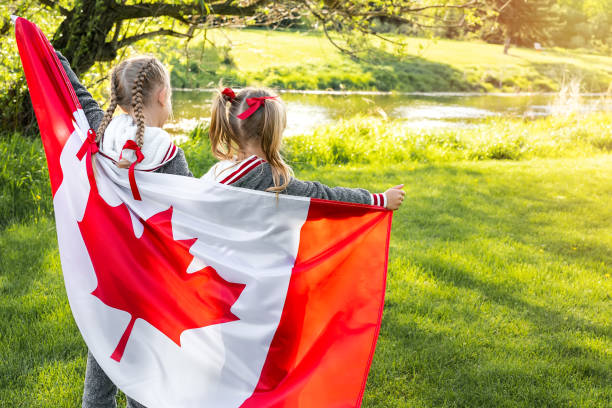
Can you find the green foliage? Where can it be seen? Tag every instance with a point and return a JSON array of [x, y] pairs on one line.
[[526, 21], [16, 106], [197, 151], [25, 194], [584, 24], [370, 140]]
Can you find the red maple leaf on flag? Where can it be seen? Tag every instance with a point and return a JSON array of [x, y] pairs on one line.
[[147, 276]]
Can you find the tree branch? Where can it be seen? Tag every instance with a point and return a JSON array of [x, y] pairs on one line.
[[405, 10], [132, 39], [54, 5], [179, 11], [442, 6], [341, 49]]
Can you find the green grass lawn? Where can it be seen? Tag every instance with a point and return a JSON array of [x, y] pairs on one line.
[[307, 60], [499, 291]]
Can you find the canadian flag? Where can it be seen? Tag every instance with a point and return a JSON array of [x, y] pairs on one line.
[[202, 294]]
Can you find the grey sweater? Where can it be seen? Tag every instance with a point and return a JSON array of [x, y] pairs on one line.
[[261, 179], [237, 174], [178, 165]]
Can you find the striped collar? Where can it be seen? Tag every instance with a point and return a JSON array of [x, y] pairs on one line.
[[243, 169]]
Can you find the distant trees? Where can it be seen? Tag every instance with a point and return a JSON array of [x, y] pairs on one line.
[[564, 23], [585, 23], [521, 22]]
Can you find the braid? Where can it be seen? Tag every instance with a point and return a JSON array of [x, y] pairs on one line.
[[112, 105], [137, 102]]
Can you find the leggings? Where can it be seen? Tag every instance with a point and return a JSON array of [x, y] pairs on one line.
[[99, 391]]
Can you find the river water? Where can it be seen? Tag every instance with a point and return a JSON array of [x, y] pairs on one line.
[[307, 110]]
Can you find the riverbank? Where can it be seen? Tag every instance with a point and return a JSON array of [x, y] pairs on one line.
[[307, 60], [498, 287]]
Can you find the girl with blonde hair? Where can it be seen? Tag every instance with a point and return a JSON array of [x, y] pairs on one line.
[[140, 86], [246, 132]]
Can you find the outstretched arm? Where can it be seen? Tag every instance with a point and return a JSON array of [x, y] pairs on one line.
[[314, 189], [91, 108], [391, 199]]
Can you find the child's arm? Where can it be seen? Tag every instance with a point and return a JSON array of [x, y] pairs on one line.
[[314, 189], [395, 197], [391, 199], [91, 108], [261, 179]]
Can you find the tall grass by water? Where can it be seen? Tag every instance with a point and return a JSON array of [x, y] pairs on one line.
[[362, 140], [376, 140]]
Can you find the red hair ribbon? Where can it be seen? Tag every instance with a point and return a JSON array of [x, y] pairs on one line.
[[228, 92], [254, 104], [89, 148], [131, 145]]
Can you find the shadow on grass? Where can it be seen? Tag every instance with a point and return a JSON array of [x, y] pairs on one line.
[[415, 74], [456, 369]]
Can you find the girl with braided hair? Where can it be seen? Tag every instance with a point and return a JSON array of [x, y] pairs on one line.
[[140, 86]]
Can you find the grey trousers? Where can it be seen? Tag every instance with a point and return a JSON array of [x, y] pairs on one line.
[[99, 391]]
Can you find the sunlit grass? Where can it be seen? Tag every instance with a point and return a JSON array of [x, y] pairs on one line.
[[499, 291], [499, 284], [256, 49], [307, 60]]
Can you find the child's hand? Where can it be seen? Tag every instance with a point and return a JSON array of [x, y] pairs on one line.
[[395, 197]]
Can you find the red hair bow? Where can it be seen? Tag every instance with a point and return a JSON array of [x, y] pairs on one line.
[[228, 92], [254, 104]]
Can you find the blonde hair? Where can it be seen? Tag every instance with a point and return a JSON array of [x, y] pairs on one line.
[[228, 133], [133, 84]]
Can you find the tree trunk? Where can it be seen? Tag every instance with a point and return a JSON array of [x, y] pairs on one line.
[[507, 44], [81, 37]]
